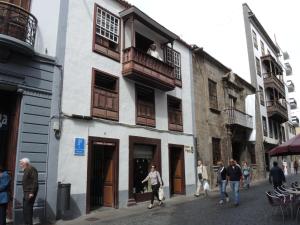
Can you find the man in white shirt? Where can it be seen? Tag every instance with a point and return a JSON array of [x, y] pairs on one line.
[[152, 51]]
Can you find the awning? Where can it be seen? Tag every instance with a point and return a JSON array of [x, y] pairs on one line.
[[291, 147]]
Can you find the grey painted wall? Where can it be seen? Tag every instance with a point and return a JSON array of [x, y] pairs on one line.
[[33, 77]]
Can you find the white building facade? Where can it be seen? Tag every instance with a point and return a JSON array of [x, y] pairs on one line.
[[123, 110], [272, 109]]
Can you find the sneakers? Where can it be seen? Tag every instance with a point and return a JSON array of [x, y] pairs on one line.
[[227, 199], [221, 202], [160, 203], [150, 206], [196, 195]]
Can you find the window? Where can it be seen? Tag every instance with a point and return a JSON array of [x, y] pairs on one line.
[[270, 128], [105, 96], [173, 58], [261, 96], [262, 45], [258, 67], [216, 150], [232, 102], [175, 114], [269, 53], [145, 106], [213, 98], [107, 28], [283, 134], [275, 130], [254, 39], [264, 123]]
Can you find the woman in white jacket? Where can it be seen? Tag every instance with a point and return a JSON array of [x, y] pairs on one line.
[[202, 177]]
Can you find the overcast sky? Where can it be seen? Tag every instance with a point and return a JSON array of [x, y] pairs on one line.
[[218, 27]]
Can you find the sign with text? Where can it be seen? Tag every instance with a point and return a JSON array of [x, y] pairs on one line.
[[79, 147], [188, 149]]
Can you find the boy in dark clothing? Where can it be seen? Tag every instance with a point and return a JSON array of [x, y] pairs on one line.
[[222, 182], [276, 176], [234, 175]]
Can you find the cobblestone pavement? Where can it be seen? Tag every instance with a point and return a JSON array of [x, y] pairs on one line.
[[253, 210]]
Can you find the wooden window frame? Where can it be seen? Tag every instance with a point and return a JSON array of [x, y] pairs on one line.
[[261, 96], [149, 121], [271, 128], [100, 48], [213, 145], [258, 66], [213, 103], [174, 126], [178, 82], [254, 37], [95, 73], [264, 125]]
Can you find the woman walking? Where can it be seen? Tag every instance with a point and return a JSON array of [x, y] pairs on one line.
[[4, 195], [202, 177], [246, 170], [156, 183]]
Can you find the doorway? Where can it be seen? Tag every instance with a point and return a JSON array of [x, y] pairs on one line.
[[177, 170], [9, 127], [103, 163], [143, 152]]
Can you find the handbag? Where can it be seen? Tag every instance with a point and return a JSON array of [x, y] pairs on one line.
[[161, 194], [206, 186], [200, 176]]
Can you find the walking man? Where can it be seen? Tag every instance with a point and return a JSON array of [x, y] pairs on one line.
[[4, 195], [222, 182], [30, 189], [276, 176], [234, 175]]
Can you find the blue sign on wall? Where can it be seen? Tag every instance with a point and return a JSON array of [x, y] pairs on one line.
[[79, 146]]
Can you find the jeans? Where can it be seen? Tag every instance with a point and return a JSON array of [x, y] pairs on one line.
[[235, 185], [222, 188], [247, 181], [3, 208], [155, 189]]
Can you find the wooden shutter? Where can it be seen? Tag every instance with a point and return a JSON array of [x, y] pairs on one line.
[[145, 105], [175, 114]]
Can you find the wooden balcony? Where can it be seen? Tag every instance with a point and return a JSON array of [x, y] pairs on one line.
[[239, 118], [277, 110], [17, 28], [141, 67], [272, 81]]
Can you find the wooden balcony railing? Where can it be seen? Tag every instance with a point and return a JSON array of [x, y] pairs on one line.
[[278, 109], [271, 80], [140, 66], [236, 117], [18, 23]]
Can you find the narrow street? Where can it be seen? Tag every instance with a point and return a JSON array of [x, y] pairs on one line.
[[253, 210]]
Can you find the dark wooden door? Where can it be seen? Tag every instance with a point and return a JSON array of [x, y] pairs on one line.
[[102, 180], [177, 176], [9, 126]]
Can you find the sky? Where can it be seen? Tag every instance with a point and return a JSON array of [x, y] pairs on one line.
[[218, 27]]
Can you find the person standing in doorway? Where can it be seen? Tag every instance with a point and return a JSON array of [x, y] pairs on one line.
[[296, 165], [156, 183], [246, 170], [276, 176], [30, 189], [222, 182], [234, 175], [202, 177], [4, 195]]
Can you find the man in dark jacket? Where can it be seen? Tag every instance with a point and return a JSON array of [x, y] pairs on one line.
[[222, 182], [4, 195], [276, 176], [30, 189], [234, 175]]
